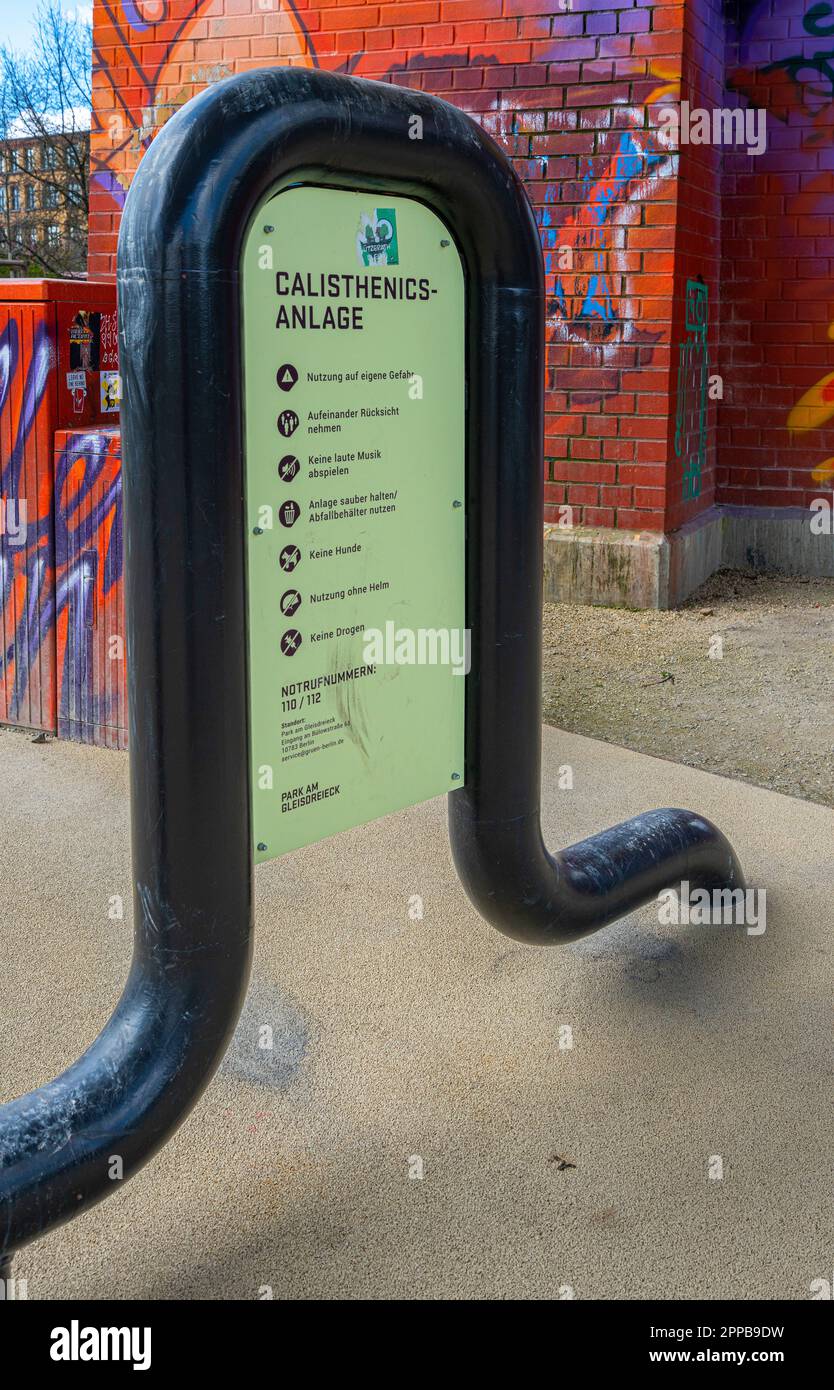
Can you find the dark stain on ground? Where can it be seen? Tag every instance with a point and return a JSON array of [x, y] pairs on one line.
[[269, 1017], [632, 945]]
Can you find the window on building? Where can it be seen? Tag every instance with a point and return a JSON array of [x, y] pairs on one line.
[[2, 200], [53, 234], [74, 191], [30, 195], [49, 159], [29, 159], [3, 164], [50, 197], [14, 197]]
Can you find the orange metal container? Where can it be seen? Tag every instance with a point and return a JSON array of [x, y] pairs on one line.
[[89, 585], [57, 366]]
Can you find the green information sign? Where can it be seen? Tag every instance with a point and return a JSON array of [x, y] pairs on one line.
[[353, 325]]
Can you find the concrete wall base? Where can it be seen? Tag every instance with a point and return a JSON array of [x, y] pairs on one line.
[[645, 569]]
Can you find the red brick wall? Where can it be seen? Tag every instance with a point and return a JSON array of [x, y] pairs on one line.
[[611, 201], [697, 259], [571, 93], [774, 433]]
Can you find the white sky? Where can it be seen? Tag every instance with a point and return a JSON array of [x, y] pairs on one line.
[[16, 18]]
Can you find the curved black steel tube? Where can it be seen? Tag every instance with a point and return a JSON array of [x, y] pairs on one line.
[[494, 820], [179, 299], [549, 899], [192, 870]]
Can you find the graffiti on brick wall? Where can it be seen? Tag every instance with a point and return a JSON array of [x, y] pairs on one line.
[[796, 87], [134, 94], [150, 59], [124, 126], [584, 301], [590, 313], [26, 553], [817, 23], [816, 406], [692, 388], [89, 589]]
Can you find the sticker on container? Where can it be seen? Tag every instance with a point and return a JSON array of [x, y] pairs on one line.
[[85, 340], [111, 391], [76, 381]]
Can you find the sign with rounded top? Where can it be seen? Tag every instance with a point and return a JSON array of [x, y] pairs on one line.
[[353, 362]]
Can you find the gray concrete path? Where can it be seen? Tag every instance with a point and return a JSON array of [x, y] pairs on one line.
[[433, 1045]]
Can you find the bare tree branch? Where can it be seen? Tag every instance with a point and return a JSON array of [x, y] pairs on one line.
[[46, 99]]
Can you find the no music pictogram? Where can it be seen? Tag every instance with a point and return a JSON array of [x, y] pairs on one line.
[[288, 467]]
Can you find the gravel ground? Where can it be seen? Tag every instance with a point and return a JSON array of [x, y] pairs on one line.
[[762, 711]]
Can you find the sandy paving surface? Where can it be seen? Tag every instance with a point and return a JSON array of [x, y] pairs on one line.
[[438, 1046]]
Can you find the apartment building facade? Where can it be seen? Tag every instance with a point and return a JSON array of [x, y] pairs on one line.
[[43, 204]]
